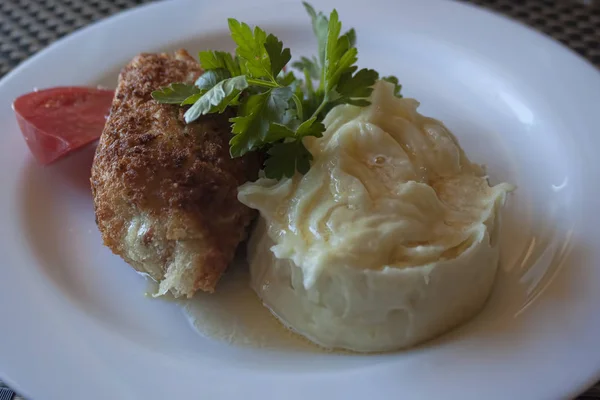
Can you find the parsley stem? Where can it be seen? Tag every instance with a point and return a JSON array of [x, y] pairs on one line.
[[260, 82], [308, 81], [298, 107], [321, 106]]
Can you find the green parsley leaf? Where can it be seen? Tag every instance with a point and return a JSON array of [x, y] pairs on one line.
[[207, 81], [339, 81], [397, 86], [286, 79], [175, 93], [287, 158], [275, 109], [210, 78], [310, 127], [310, 65], [339, 56], [309, 87], [320, 26], [357, 85], [278, 56], [192, 99], [313, 102], [217, 98], [251, 49], [219, 60], [351, 35], [278, 132], [256, 114]]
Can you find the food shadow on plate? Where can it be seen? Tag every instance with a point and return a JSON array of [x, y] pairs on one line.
[[73, 171]]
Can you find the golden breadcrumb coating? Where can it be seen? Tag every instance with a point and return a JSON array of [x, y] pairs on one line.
[[165, 192]]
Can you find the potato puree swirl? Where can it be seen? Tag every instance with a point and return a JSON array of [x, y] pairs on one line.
[[389, 239]]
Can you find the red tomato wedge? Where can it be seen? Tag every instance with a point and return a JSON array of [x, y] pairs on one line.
[[60, 120]]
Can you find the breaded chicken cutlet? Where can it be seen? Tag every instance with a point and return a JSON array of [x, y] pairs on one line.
[[165, 192]]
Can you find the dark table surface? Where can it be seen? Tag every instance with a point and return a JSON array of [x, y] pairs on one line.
[[27, 26]]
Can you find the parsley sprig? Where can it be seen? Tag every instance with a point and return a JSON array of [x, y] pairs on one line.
[[275, 109]]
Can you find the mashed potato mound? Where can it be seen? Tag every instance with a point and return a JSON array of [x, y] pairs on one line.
[[390, 238]]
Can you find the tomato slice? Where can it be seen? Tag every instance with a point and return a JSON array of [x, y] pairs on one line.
[[60, 120]]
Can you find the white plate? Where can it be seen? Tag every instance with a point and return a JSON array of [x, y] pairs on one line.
[[76, 323]]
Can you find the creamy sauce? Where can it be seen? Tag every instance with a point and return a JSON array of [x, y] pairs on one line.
[[234, 314]]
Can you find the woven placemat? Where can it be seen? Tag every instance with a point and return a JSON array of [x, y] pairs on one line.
[[27, 26]]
